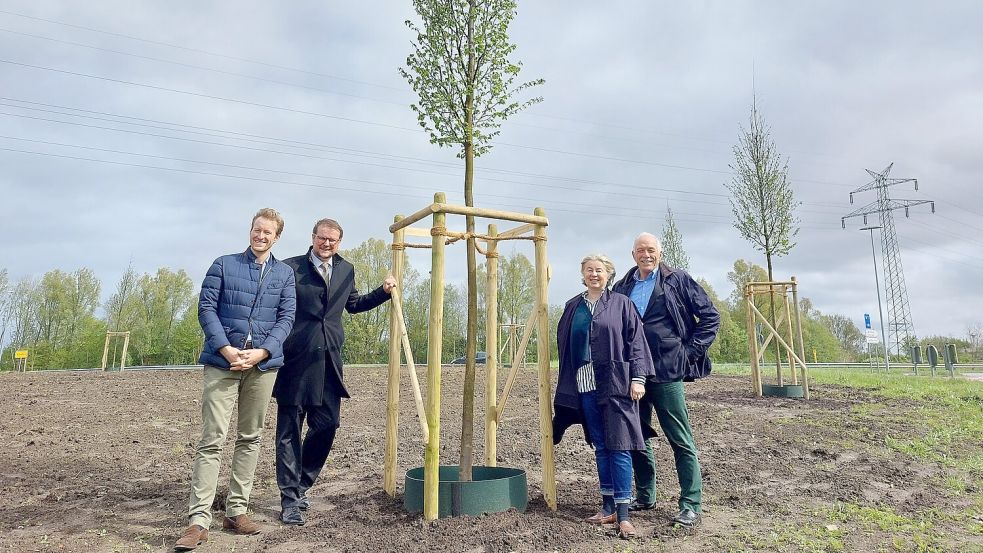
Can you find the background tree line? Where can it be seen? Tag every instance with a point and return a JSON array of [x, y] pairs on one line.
[[59, 317]]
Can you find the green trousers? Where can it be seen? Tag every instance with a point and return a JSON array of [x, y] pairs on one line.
[[669, 402], [252, 389]]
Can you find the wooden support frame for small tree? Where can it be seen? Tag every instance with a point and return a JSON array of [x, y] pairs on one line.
[[429, 412], [105, 350], [791, 344]]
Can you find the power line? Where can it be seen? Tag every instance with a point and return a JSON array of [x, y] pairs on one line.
[[337, 77], [203, 68], [592, 208], [386, 125], [199, 51], [311, 156], [208, 96], [315, 146]]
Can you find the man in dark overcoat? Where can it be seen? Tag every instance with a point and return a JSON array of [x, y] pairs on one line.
[[680, 323], [311, 383]]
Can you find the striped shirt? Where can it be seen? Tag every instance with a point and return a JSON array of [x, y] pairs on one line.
[[585, 374]]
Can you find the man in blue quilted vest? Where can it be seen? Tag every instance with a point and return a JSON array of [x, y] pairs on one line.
[[246, 310]]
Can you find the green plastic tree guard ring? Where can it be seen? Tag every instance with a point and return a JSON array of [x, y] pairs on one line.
[[788, 390], [491, 490]]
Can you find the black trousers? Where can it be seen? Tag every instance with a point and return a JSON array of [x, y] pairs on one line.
[[299, 462]]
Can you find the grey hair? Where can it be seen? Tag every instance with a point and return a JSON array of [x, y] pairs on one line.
[[603, 260], [658, 243]]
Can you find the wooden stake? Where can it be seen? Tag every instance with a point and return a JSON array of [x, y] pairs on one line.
[[798, 325], [105, 351], [431, 465], [752, 341], [517, 231], [421, 410], [518, 361], [392, 388], [543, 354], [777, 336], [491, 349], [791, 336], [493, 214]]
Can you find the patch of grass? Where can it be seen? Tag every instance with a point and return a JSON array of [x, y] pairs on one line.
[[955, 484], [782, 537], [907, 534]]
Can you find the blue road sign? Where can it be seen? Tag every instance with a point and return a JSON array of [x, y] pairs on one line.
[[867, 320]]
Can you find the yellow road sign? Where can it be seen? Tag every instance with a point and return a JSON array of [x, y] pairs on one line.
[[20, 354]]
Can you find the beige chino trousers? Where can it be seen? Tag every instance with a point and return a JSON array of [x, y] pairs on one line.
[[252, 389]]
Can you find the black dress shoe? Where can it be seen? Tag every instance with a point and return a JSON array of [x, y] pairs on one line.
[[640, 506], [687, 518], [303, 504], [293, 516]]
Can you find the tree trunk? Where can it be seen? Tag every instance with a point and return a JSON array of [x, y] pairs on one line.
[[774, 322], [470, 348]]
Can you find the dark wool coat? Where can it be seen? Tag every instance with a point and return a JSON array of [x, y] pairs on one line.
[[234, 303], [695, 321], [619, 352], [312, 365]]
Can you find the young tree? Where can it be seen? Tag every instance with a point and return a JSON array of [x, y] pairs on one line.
[[673, 252], [121, 309], [4, 308], [761, 195], [461, 71]]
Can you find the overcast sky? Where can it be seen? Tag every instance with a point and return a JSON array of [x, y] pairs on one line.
[[152, 131]]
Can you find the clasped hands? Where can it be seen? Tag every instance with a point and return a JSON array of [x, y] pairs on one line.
[[243, 359]]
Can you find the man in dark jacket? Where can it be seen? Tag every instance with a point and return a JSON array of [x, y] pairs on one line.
[[246, 310], [680, 323], [311, 384]]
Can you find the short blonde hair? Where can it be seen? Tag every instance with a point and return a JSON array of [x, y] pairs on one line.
[[603, 260], [272, 215]]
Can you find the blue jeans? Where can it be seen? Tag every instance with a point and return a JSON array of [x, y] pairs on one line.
[[613, 466]]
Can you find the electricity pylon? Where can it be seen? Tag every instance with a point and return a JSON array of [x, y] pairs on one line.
[[901, 330]]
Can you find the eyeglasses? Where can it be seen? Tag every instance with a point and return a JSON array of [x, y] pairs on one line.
[[322, 240]]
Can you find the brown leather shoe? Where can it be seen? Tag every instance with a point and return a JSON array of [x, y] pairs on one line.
[[626, 530], [241, 525], [601, 518], [192, 537]]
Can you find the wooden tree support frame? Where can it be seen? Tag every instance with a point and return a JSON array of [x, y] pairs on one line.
[[512, 333], [429, 411], [791, 345], [105, 350]]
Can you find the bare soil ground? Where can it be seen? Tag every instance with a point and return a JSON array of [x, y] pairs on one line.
[[101, 462]]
